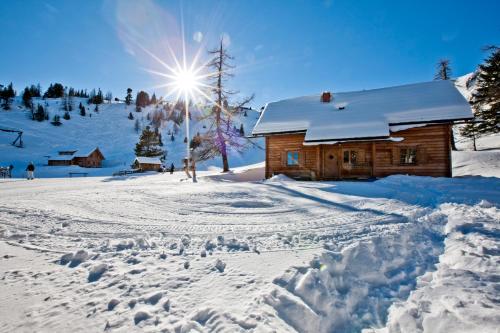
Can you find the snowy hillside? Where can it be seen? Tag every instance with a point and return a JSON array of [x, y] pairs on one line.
[[109, 129]]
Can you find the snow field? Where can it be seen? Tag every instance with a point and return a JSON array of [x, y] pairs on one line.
[[159, 253]]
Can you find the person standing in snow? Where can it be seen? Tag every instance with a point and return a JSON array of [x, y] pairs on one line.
[[11, 167], [30, 169], [172, 168]]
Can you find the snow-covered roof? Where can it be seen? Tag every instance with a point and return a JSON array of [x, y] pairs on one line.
[[147, 160], [84, 153], [364, 114], [61, 158]]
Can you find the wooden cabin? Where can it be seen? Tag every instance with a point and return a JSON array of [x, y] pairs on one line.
[[147, 163], [358, 135], [91, 159]]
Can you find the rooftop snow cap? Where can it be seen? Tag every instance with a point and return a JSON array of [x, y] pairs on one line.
[[367, 114], [326, 97]]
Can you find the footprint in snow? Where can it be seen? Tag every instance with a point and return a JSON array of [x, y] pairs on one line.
[[96, 272], [140, 316], [112, 304], [153, 299]]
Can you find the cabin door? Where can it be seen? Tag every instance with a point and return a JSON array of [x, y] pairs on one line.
[[331, 163]]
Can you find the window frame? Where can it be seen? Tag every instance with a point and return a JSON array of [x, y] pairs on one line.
[[295, 160], [352, 154], [404, 159]]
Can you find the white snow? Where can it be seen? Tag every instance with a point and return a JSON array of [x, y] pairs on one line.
[[125, 254], [148, 160], [366, 113]]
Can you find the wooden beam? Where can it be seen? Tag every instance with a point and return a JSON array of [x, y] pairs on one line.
[[373, 159]]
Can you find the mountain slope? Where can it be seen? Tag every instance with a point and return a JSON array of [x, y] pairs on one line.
[[109, 129]]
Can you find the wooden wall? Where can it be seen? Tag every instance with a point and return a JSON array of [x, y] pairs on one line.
[[94, 160], [433, 152], [375, 158], [277, 147], [59, 162]]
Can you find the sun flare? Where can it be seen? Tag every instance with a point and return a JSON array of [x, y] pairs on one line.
[[186, 81]]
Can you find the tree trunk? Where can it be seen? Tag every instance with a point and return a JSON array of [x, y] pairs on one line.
[[220, 136]]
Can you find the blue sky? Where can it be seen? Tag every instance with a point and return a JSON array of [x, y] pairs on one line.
[[281, 48]]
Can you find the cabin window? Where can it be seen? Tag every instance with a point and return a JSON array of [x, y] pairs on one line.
[[408, 156], [350, 156], [292, 158]]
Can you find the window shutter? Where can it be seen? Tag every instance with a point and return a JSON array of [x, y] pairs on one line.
[[395, 156], [283, 159], [422, 156]]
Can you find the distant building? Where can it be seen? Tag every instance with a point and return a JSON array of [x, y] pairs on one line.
[[91, 159], [147, 163]]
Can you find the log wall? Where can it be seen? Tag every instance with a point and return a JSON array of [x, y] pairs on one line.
[[374, 158]]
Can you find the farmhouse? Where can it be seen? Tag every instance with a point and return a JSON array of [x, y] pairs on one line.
[[363, 134], [91, 159], [147, 163]]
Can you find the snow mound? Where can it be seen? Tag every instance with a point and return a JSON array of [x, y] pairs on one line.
[[352, 289], [461, 295], [279, 178]]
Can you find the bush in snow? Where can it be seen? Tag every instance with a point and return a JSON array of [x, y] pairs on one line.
[[56, 121]]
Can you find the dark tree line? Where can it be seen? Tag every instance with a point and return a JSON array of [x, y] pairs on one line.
[[6, 95]]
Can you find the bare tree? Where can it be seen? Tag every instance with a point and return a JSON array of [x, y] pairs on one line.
[[443, 70], [221, 135]]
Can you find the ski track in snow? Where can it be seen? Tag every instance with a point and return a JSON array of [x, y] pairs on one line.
[[157, 253]]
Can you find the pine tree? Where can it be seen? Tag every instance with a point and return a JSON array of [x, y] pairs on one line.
[[27, 98], [39, 114], [242, 130], [82, 109], [443, 70], [137, 126], [158, 133], [486, 99], [128, 98], [66, 116], [55, 90], [7, 94], [149, 144], [153, 99]]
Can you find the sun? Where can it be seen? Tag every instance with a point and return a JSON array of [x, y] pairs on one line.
[[185, 81]]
